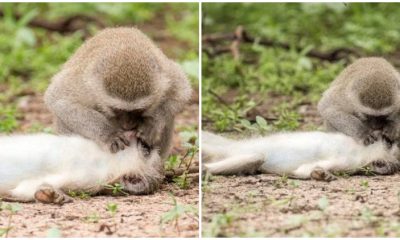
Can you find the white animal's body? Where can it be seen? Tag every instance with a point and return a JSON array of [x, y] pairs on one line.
[[295, 154], [30, 162]]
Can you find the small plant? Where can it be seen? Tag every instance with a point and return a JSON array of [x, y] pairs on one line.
[[218, 223], [92, 218], [280, 202], [116, 189], [8, 119], [178, 211], [11, 209], [112, 208], [323, 203], [172, 162], [54, 232], [368, 216], [79, 194], [364, 184], [367, 171], [295, 221], [183, 181], [294, 183], [190, 141], [281, 181], [260, 125]]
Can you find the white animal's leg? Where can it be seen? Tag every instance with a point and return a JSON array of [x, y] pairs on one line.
[[25, 191], [246, 163], [307, 171], [48, 194], [212, 153], [215, 139], [214, 147]]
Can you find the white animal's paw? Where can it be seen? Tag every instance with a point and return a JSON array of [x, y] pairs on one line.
[[321, 174], [47, 194]]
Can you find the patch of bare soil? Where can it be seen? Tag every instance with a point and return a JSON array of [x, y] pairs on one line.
[[272, 206], [135, 216]]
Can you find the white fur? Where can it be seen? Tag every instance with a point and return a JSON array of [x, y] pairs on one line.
[[64, 162], [295, 154]]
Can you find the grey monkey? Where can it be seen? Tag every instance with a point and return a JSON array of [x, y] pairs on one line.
[[364, 101], [117, 81]]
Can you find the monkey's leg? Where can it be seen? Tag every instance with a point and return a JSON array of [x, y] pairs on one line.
[[48, 194], [239, 164], [89, 123]]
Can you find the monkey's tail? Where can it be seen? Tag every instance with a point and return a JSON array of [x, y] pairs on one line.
[[214, 147]]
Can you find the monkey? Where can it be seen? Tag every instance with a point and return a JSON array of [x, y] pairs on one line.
[[45, 167], [364, 101], [117, 74], [301, 155]]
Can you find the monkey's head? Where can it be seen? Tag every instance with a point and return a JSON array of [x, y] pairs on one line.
[[128, 120], [376, 97]]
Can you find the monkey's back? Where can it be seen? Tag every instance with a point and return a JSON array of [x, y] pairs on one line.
[[371, 81], [124, 59]]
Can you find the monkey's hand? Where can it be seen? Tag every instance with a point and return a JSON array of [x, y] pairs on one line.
[[118, 142], [372, 137], [392, 132], [150, 130]]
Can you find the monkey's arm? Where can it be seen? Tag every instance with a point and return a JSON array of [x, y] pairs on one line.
[[392, 130], [346, 123], [153, 125], [161, 118], [87, 122]]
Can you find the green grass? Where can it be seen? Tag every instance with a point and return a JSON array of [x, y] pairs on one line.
[[280, 80]]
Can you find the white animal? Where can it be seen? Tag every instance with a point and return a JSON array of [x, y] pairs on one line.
[[44, 167], [300, 155]]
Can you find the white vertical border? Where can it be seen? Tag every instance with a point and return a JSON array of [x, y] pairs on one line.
[[200, 126]]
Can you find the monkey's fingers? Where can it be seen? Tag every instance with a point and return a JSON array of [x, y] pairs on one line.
[[116, 146], [125, 141], [370, 139]]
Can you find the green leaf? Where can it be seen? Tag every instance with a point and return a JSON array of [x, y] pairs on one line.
[[262, 123], [323, 203], [191, 68], [54, 232]]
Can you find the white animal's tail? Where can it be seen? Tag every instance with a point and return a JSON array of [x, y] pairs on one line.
[[219, 159]]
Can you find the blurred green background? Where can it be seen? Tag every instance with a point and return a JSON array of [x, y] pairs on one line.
[[37, 38], [271, 88]]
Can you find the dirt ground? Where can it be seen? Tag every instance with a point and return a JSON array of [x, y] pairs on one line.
[[135, 216], [267, 205], [271, 206]]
